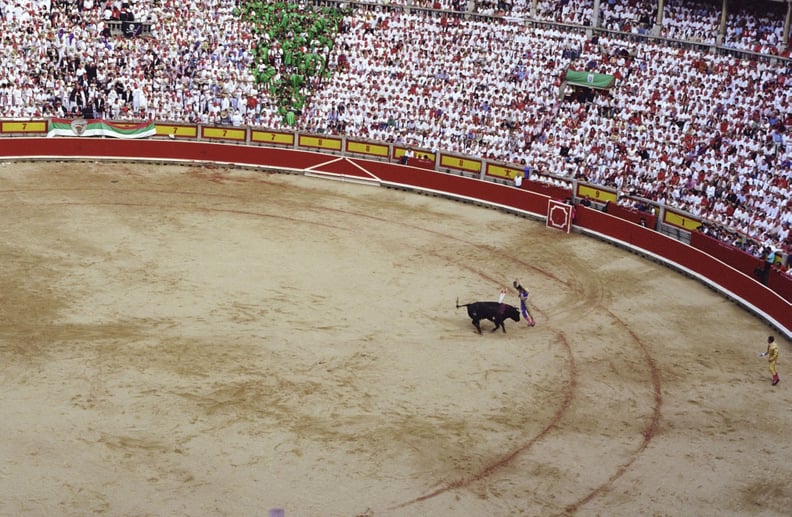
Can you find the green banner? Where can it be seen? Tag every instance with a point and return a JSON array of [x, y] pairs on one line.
[[590, 79]]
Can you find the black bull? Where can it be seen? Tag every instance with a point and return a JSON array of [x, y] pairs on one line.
[[493, 311]]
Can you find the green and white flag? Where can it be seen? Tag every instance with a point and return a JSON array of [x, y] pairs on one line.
[[590, 79], [100, 127]]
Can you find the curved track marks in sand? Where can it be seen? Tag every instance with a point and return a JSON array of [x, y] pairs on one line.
[[569, 388]]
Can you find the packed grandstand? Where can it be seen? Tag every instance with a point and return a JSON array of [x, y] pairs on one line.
[[693, 112]]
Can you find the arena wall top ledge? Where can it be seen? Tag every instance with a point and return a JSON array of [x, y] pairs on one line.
[[737, 285]]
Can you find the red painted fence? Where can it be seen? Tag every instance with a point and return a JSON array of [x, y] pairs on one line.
[[740, 285]]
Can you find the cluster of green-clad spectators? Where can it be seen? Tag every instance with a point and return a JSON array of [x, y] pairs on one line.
[[292, 43]]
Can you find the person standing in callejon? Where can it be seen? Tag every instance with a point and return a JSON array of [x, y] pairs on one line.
[[523, 294], [772, 358]]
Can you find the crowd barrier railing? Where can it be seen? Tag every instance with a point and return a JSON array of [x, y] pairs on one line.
[[310, 156], [534, 22]]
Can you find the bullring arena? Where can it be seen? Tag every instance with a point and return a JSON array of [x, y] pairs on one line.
[[198, 321], [187, 340]]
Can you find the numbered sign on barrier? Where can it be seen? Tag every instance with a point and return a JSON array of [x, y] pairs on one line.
[[560, 215]]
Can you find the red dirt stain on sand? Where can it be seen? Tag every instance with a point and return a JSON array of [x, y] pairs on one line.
[[569, 396]]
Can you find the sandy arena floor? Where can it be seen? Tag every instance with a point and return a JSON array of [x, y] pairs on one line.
[[193, 341]]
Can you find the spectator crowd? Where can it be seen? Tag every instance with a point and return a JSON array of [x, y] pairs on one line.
[[755, 26], [702, 131]]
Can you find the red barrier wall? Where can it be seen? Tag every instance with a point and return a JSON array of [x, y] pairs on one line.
[[162, 149], [460, 185], [420, 162], [553, 191], [632, 215], [695, 260], [736, 257], [742, 261], [780, 283]]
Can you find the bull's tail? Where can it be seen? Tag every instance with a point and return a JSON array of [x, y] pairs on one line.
[[463, 305]]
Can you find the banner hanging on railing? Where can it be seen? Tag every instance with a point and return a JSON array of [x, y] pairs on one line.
[[100, 127]]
